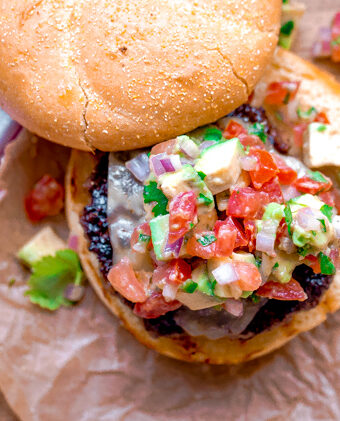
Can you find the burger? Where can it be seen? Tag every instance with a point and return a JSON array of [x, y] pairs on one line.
[[202, 186]]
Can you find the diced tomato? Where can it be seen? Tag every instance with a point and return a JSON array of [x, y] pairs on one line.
[[313, 263], [141, 238], [226, 234], [273, 190], [307, 185], [279, 93], [299, 131], [321, 118], [155, 306], [183, 212], [250, 232], [175, 272], [247, 203], [233, 129], [123, 279], [165, 147], [336, 199], [196, 248], [286, 174], [241, 238], [285, 292], [335, 45], [45, 199], [249, 276], [251, 141], [266, 167]]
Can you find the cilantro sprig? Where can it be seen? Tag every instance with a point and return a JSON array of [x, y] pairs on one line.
[[153, 194], [258, 129], [288, 218], [327, 211], [50, 277], [326, 265], [213, 133], [207, 239], [317, 176]]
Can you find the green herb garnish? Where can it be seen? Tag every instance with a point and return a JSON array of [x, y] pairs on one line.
[[11, 282], [258, 129], [317, 176], [144, 238], [50, 277], [201, 175], [213, 133], [276, 265], [207, 239], [306, 115], [255, 298], [327, 211], [303, 251], [204, 199], [288, 218], [211, 284], [323, 223], [189, 286], [153, 194], [287, 28], [258, 262], [326, 265], [335, 42], [321, 128]]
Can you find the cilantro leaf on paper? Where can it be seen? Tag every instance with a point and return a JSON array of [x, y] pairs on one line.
[[153, 194], [50, 277]]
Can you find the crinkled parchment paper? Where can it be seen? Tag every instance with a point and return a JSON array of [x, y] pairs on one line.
[[79, 364]]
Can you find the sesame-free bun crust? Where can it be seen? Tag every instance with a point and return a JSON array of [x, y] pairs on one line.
[[122, 74], [285, 66]]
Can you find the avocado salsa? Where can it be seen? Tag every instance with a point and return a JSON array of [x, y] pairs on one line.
[[232, 240]]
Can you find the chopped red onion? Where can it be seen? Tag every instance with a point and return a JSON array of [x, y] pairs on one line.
[[265, 239], [206, 144], [249, 163], [9, 130], [287, 245], [189, 147], [234, 307], [74, 292], [73, 242], [139, 167], [163, 163], [169, 292], [225, 274], [322, 47], [307, 219], [289, 192], [174, 248]]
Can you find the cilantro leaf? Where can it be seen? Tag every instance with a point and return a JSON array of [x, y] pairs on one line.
[[144, 238], [213, 133], [317, 176], [153, 194], [258, 262], [50, 277], [306, 115], [189, 286], [323, 223], [322, 128], [303, 251], [287, 28], [258, 129], [201, 175], [276, 265], [207, 239], [327, 211], [288, 218], [326, 265], [204, 199], [255, 298], [211, 284]]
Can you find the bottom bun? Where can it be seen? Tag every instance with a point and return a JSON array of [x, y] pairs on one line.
[[183, 346]]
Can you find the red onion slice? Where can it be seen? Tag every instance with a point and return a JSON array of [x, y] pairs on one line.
[[188, 147], [163, 163], [289, 192], [206, 144], [225, 274], [73, 242], [307, 219], [9, 130], [234, 307], [248, 163], [174, 248], [139, 167], [169, 292], [265, 239]]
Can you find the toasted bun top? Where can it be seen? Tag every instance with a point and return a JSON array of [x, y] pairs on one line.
[[121, 74]]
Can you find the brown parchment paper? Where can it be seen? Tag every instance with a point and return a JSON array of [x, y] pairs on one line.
[[79, 364]]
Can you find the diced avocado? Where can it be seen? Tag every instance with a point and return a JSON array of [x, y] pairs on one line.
[[283, 267], [273, 211], [246, 294], [243, 256], [305, 200], [221, 164], [201, 277], [159, 233], [186, 144], [183, 180], [45, 243]]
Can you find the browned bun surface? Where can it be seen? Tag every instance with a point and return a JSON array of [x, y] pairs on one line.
[[122, 74], [201, 349]]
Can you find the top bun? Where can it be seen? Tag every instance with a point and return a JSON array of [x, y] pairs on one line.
[[122, 74]]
